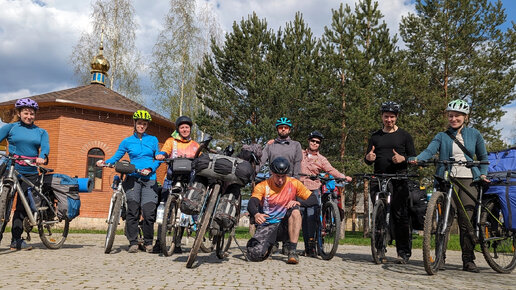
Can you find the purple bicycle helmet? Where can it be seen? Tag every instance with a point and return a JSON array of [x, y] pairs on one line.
[[26, 103]]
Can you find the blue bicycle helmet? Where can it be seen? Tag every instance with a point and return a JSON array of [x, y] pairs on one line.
[[283, 121]]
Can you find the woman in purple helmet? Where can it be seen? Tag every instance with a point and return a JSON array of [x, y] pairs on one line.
[[27, 140]]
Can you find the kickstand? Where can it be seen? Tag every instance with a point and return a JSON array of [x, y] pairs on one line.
[[238, 245]]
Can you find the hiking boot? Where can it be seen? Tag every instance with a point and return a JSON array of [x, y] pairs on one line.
[[20, 244], [470, 267], [403, 259], [293, 258], [178, 250], [157, 248], [133, 249], [285, 248], [149, 249], [310, 252]]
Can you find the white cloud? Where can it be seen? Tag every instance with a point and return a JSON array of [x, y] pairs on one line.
[[507, 124], [23, 93]]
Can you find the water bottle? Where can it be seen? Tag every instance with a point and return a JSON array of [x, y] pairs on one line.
[[429, 191], [160, 212]]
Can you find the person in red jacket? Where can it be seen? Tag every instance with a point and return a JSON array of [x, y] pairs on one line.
[[312, 164]]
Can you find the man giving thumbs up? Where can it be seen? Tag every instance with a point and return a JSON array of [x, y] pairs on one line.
[[388, 150]]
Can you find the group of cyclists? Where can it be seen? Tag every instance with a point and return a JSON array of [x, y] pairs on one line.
[[289, 199]]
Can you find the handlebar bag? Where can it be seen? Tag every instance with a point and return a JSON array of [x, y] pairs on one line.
[[181, 166], [125, 167]]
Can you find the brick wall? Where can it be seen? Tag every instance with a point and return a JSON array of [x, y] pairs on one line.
[[73, 132]]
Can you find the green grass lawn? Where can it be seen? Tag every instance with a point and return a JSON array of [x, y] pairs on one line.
[[352, 238]]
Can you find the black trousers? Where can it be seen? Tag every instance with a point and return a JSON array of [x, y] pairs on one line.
[[399, 213], [141, 198], [19, 212]]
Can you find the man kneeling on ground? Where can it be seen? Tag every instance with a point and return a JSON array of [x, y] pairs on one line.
[[276, 212]]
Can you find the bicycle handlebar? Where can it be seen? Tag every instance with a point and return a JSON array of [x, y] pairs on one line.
[[112, 165], [468, 164], [29, 162], [325, 179], [400, 176]]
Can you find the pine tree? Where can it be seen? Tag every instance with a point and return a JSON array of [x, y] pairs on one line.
[[236, 84], [360, 54], [455, 49]]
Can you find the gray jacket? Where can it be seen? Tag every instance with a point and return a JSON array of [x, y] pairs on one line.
[[287, 148]]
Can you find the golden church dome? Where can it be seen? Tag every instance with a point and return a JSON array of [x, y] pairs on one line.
[[99, 63]]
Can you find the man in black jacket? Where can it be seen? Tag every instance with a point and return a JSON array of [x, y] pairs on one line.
[[388, 150]]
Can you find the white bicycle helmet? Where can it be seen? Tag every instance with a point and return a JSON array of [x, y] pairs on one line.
[[458, 106]]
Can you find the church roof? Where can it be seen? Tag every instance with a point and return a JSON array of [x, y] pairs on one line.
[[94, 97]]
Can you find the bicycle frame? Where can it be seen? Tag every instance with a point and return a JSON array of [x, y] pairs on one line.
[[13, 180]]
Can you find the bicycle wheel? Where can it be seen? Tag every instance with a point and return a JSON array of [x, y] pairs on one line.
[[379, 231], [223, 242], [497, 242], [169, 229], [206, 217], [329, 230], [112, 222], [434, 241], [52, 229], [5, 208]]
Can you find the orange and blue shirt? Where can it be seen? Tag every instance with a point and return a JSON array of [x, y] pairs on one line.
[[176, 146], [274, 200]]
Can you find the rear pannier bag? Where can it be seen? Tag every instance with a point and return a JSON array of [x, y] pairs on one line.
[[231, 170], [194, 198], [502, 171], [66, 193], [417, 205], [228, 208]]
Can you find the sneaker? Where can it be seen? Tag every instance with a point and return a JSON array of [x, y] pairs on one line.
[[20, 244], [470, 267], [149, 249], [178, 250], [310, 252], [133, 249], [293, 258]]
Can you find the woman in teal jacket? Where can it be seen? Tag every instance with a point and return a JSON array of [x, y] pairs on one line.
[[140, 188], [443, 144], [30, 142]]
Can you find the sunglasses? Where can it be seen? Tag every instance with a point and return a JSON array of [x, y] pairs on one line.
[[315, 141]]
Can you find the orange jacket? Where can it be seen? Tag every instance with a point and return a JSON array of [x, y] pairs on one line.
[[176, 146]]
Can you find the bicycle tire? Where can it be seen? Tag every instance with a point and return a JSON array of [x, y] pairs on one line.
[[168, 227], [379, 231], [5, 210], [435, 243], [329, 230], [112, 222], [206, 217], [49, 228], [497, 242], [223, 242]]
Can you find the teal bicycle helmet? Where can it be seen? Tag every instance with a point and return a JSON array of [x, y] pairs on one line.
[[284, 121]]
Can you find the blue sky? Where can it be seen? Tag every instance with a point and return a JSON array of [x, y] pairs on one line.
[[37, 37]]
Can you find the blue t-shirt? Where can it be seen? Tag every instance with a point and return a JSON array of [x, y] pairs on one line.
[[141, 153], [26, 140]]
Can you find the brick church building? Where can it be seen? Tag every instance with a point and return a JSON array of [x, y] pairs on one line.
[[86, 124]]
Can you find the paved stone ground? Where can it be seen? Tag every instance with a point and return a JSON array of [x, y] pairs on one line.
[[81, 263]]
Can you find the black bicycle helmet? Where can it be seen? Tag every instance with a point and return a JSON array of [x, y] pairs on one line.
[[183, 120], [390, 106], [316, 134], [280, 165]]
